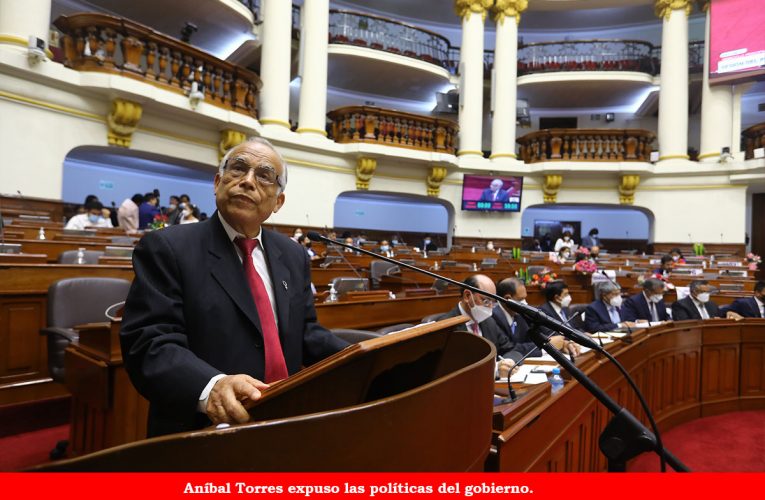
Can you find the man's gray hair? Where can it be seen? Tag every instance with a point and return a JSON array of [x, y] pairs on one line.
[[606, 287], [696, 284], [653, 285], [281, 179]]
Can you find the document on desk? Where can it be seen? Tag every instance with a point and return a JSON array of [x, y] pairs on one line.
[[530, 374]]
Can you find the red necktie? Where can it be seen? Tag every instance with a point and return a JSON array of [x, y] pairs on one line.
[[276, 368], [475, 328]]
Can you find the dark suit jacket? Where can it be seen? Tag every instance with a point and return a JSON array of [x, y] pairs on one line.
[[520, 339], [190, 316], [548, 309], [686, 309], [589, 242], [636, 307], [492, 332], [487, 195], [746, 307], [597, 319]]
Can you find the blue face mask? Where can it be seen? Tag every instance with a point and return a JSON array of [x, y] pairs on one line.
[[385, 248], [427, 242], [94, 218]]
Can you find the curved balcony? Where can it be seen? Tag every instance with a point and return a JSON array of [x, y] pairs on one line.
[[586, 145], [393, 128], [754, 138], [586, 55], [103, 43]]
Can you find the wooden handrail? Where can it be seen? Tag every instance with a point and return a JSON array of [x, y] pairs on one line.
[[754, 138], [395, 128], [392, 21], [104, 43], [586, 145]]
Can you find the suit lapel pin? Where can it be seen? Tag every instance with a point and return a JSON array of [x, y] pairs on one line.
[[284, 284]]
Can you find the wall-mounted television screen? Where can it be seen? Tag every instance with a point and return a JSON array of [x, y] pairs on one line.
[[737, 45], [494, 193]]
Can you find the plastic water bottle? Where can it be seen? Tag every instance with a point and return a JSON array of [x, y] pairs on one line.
[[556, 381], [41, 234], [332, 293], [80, 256]]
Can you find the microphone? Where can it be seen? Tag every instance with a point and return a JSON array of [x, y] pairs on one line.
[[530, 313]]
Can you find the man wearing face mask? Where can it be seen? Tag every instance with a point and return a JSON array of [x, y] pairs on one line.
[[648, 305], [515, 326], [428, 245], [93, 217], [697, 304], [605, 315], [557, 299], [479, 309], [750, 307], [385, 249]]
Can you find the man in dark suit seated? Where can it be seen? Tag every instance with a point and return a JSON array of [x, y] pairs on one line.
[[515, 327], [220, 309], [697, 304], [665, 269], [494, 192], [647, 305], [605, 315], [557, 300], [750, 307], [479, 309]]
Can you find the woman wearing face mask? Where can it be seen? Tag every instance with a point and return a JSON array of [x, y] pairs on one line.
[[558, 299], [93, 217], [187, 215], [677, 256], [564, 255], [605, 315], [565, 241]]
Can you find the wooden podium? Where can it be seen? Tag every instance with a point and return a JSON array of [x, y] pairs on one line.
[[417, 400]]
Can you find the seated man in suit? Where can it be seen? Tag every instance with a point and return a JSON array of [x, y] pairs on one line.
[[515, 327], [666, 267], [494, 192], [647, 305], [697, 304], [479, 309], [592, 239], [557, 299], [605, 315], [750, 307], [220, 309]]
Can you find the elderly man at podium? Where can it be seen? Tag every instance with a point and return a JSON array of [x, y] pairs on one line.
[[220, 309]]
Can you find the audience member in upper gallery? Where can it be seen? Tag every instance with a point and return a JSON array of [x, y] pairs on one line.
[[647, 305], [606, 315], [665, 269], [127, 213], [93, 217], [557, 300], [592, 239], [515, 326], [148, 210], [565, 241], [479, 309], [677, 256], [697, 304], [748, 307]]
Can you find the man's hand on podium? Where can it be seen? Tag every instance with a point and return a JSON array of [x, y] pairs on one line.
[[225, 404]]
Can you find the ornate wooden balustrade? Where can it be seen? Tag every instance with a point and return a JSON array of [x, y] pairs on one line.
[[383, 126], [586, 145], [99, 42], [754, 138]]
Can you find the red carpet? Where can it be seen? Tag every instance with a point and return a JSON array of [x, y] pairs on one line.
[[30, 448], [733, 442]]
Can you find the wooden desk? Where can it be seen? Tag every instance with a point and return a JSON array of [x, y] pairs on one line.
[[686, 370], [374, 314], [53, 248]]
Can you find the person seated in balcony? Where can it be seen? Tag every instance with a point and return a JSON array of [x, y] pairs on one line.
[[592, 239], [677, 256], [494, 192], [697, 304], [565, 241], [93, 217], [749, 307], [606, 315], [647, 305], [665, 269]]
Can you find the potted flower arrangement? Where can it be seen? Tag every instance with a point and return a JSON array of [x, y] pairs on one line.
[[159, 222], [753, 261], [543, 278], [585, 267]]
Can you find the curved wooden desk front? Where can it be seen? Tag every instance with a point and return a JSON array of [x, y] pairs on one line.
[[686, 370]]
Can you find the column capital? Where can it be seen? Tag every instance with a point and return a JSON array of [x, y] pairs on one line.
[[464, 8], [508, 8], [663, 8], [627, 186], [228, 139], [365, 169]]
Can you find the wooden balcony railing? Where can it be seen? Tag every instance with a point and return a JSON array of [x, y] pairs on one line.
[[375, 32], [586, 145], [99, 42], [383, 126], [754, 138]]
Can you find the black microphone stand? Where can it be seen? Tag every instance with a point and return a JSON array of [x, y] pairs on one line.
[[625, 437]]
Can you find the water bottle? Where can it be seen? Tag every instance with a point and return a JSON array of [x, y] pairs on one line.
[[332, 293], [41, 234], [80, 256], [556, 381]]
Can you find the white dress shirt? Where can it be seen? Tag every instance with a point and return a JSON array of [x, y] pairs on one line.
[[127, 216], [81, 221], [761, 306], [701, 308]]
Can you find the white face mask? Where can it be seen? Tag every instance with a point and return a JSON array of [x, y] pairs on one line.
[[523, 302], [703, 297], [172, 206], [656, 298], [566, 238], [480, 313], [675, 258], [616, 301], [565, 301]]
